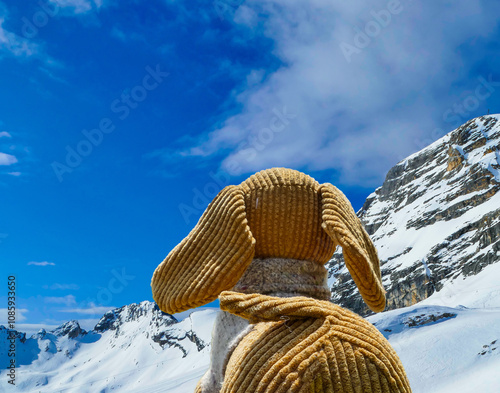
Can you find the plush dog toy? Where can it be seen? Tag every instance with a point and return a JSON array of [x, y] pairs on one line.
[[261, 247]]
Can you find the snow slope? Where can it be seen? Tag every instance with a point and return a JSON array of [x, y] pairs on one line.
[[131, 349], [457, 353], [448, 343], [436, 224], [435, 220]]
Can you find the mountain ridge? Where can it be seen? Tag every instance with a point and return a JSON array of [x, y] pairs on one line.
[[435, 219], [436, 224], [137, 338]]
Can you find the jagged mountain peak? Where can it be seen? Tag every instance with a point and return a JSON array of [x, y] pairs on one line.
[[113, 319], [436, 218], [473, 134], [71, 329], [436, 224], [470, 149], [5, 332], [129, 345]]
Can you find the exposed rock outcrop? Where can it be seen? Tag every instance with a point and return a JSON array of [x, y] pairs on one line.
[[435, 218]]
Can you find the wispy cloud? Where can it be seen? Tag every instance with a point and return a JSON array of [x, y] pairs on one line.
[[77, 7], [357, 117], [91, 310], [127, 36], [32, 328], [22, 48], [7, 159], [17, 161], [52, 75], [57, 286], [44, 263], [11, 43], [66, 300], [20, 315]]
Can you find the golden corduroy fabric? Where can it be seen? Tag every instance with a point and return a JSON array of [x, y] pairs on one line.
[[360, 254], [284, 215], [213, 256], [278, 212], [304, 345]]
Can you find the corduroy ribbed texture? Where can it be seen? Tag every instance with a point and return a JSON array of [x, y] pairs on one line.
[[360, 255], [284, 215], [276, 213], [306, 345], [210, 259]]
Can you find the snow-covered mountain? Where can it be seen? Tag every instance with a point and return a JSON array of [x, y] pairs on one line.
[[435, 222], [435, 219], [445, 347], [131, 349]]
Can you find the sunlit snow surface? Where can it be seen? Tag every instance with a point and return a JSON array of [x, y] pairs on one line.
[[121, 360], [400, 244], [457, 354], [448, 343]]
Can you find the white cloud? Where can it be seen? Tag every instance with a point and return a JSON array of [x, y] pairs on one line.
[[51, 324], [33, 328], [20, 315], [91, 310], [15, 45], [128, 35], [76, 7], [7, 159], [20, 47], [12, 43], [61, 286], [119, 34], [44, 263], [5, 134], [16, 174], [66, 300], [359, 117], [51, 74]]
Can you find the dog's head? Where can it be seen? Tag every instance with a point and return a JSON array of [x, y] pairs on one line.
[[279, 213]]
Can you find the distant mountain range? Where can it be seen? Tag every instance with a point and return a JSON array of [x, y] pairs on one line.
[[435, 222], [129, 348]]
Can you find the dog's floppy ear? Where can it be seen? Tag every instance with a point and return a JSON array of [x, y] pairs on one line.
[[211, 259], [345, 228]]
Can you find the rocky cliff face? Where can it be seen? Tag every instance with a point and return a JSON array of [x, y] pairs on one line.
[[126, 343], [435, 219], [129, 347]]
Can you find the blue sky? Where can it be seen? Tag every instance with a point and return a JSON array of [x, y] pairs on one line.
[[120, 120]]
